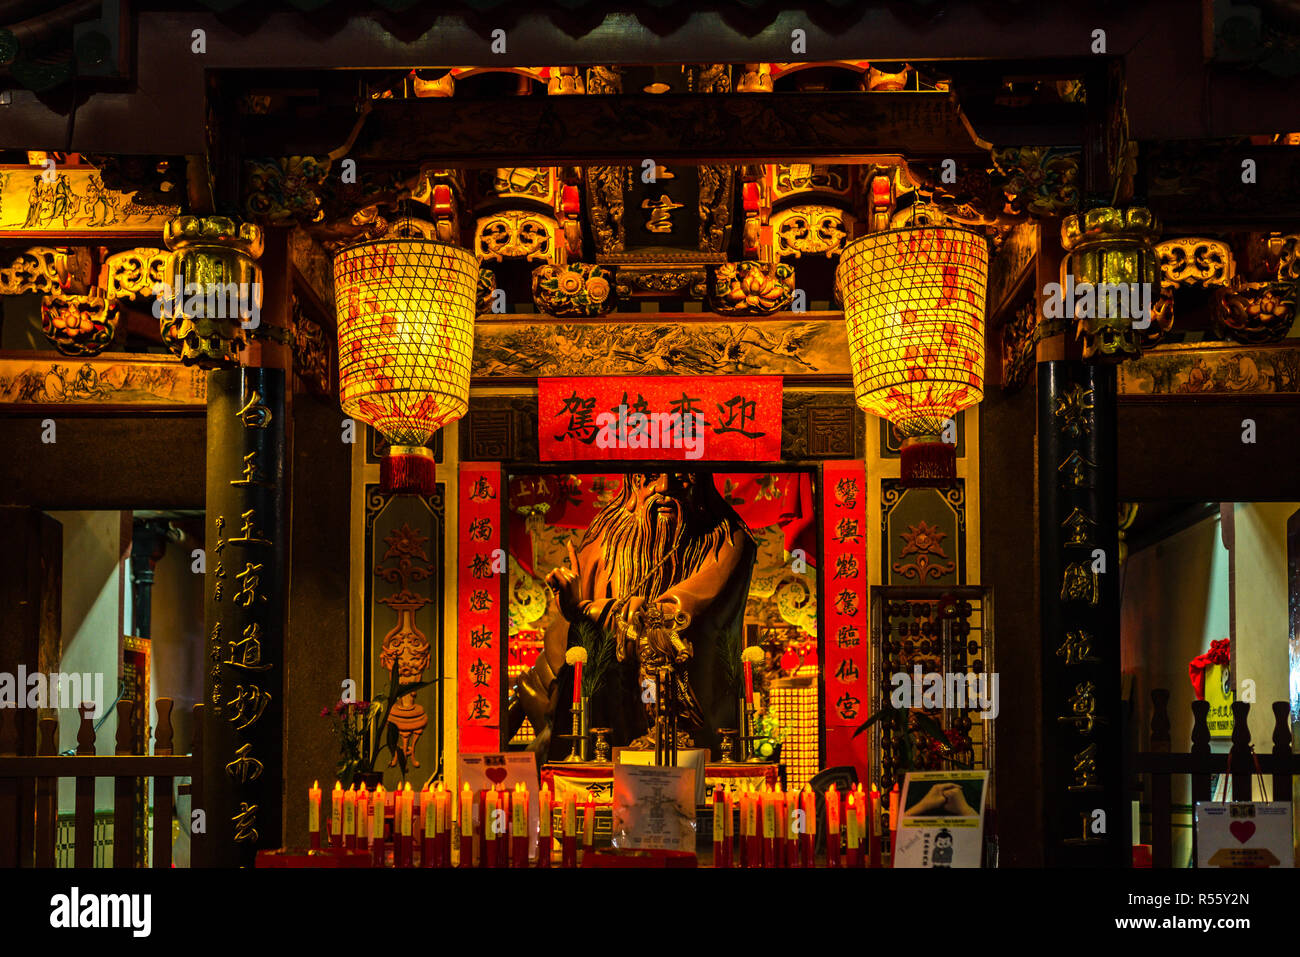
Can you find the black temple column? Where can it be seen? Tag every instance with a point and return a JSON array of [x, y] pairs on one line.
[[246, 561], [1088, 822]]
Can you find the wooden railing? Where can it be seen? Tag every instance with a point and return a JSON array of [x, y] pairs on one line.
[[27, 782], [1200, 764]]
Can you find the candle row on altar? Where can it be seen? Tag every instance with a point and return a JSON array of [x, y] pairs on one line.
[[401, 820], [492, 825], [569, 832], [779, 829]]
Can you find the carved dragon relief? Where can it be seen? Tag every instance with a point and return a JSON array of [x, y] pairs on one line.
[[605, 189]]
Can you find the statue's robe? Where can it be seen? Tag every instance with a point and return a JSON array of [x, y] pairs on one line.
[[714, 596]]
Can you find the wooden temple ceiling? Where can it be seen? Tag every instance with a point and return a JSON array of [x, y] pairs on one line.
[[534, 167], [1233, 58]]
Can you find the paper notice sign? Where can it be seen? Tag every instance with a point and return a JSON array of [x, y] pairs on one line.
[[654, 808], [697, 758], [1244, 834], [941, 819]]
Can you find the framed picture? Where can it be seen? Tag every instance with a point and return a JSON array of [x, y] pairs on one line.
[[107, 382], [72, 204]]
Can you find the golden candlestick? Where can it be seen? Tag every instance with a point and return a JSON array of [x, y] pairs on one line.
[[579, 752]]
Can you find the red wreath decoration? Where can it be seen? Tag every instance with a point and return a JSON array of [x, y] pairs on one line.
[[1219, 654]]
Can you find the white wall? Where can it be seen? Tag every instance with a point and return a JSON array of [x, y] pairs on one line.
[[177, 646], [92, 631], [1262, 618], [1174, 602]]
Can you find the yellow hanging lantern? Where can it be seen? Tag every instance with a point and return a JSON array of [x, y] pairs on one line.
[[914, 308], [406, 334]]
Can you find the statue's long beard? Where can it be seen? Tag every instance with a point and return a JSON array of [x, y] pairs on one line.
[[650, 551]]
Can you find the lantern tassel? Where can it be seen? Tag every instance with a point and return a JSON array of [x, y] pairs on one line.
[[928, 462], [407, 470]]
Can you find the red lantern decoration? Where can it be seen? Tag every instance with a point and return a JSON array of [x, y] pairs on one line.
[[406, 335]]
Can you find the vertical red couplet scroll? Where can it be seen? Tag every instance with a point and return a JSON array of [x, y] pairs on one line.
[[844, 664], [481, 573]]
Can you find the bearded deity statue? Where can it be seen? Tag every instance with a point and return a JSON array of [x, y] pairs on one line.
[[659, 580]]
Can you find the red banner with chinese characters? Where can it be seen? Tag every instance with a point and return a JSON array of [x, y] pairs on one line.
[[663, 418], [846, 677], [480, 572]]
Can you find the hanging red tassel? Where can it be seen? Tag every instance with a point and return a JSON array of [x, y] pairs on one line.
[[407, 470], [928, 463]]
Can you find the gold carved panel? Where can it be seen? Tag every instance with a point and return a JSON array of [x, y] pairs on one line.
[[1195, 261], [513, 234], [811, 229], [40, 269], [606, 186], [800, 179], [537, 183], [133, 273]]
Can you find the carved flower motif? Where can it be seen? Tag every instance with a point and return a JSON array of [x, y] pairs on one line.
[[923, 537], [750, 288]]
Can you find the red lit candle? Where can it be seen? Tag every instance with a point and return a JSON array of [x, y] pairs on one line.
[[569, 847], [313, 814], [753, 841], [519, 832], [875, 826], [791, 830], [588, 825], [808, 839], [544, 841], [466, 827], [363, 819], [443, 802], [768, 806], [488, 857], [832, 827], [336, 815], [377, 806], [576, 656], [854, 834], [404, 809], [504, 807], [864, 823], [893, 822], [429, 830], [719, 826], [742, 803], [350, 819], [504, 811], [729, 835]]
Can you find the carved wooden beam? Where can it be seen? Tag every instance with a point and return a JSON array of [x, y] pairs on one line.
[[704, 128]]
